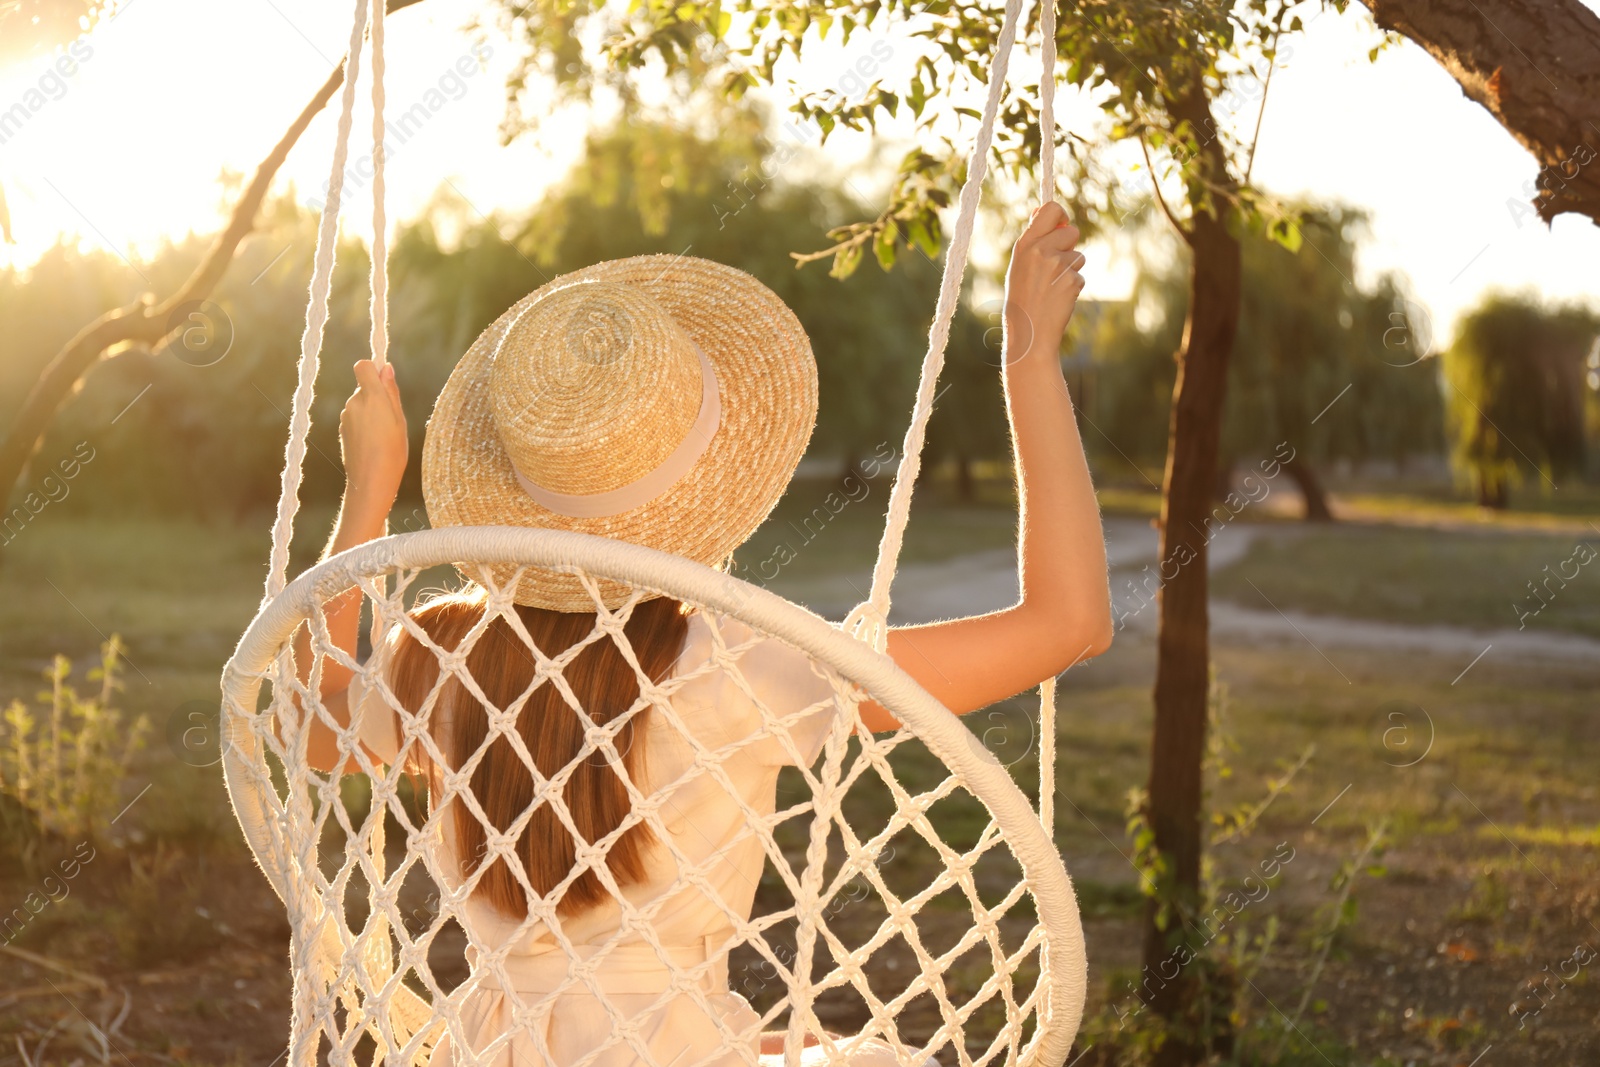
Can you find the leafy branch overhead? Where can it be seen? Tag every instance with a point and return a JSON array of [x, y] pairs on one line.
[[1144, 63]]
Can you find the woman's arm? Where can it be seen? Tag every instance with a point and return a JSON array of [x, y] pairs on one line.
[[373, 441], [1064, 613]]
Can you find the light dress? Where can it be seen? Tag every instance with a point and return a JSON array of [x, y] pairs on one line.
[[705, 825]]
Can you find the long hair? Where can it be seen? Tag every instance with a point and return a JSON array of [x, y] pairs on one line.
[[503, 668]]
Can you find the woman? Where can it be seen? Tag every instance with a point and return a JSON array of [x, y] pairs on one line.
[[663, 402]]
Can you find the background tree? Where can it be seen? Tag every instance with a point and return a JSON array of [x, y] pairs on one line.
[[203, 434], [1327, 366], [968, 423], [1319, 364], [1516, 375]]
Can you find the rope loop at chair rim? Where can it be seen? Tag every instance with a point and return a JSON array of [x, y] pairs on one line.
[[947, 738]]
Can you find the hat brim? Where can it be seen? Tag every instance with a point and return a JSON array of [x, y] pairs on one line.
[[767, 379]]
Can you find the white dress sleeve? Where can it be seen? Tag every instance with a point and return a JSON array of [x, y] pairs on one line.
[[774, 702]]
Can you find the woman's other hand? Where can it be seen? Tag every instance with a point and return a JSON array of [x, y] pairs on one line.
[[1042, 284], [373, 438]]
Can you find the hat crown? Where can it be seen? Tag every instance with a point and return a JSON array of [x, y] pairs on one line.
[[593, 386]]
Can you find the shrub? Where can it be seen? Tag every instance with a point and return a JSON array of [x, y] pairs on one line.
[[63, 766]]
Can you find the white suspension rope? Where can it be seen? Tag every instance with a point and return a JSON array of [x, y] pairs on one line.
[[316, 319], [1047, 193], [869, 620], [1047, 101], [380, 237]]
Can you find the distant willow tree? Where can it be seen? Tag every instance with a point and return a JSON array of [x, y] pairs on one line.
[[1516, 397], [1326, 368], [1330, 370]]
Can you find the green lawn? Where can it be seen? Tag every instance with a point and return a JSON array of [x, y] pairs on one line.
[[1476, 579]]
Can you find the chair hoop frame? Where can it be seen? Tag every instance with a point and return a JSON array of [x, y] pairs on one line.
[[946, 737]]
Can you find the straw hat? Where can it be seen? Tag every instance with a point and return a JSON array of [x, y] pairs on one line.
[[660, 400]]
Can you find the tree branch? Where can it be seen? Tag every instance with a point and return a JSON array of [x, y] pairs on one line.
[[1535, 66], [145, 321], [1155, 186]]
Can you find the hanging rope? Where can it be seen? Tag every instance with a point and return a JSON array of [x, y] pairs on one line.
[[1047, 194], [1047, 101], [869, 619], [316, 320], [380, 224]]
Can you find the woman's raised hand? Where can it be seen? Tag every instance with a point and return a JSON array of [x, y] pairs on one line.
[[1042, 283], [372, 436]]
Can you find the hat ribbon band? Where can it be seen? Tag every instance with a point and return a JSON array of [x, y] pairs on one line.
[[650, 485]]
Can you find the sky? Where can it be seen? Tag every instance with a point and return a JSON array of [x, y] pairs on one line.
[[171, 94]]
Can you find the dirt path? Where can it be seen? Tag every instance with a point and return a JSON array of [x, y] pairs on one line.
[[985, 581]]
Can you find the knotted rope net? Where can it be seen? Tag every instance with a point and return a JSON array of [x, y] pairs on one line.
[[911, 907]]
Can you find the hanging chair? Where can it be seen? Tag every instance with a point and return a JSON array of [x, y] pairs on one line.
[[912, 897]]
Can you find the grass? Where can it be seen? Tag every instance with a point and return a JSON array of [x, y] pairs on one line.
[[1494, 828], [1535, 504], [818, 528], [1427, 576]]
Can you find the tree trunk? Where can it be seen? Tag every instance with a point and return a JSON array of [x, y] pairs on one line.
[[1224, 482], [1492, 493], [147, 321], [1535, 65], [966, 487], [1311, 488], [1183, 654]]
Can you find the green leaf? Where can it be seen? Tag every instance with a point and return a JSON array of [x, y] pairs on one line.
[[845, 261], [1287, 234], [919, 96], [883, 245]]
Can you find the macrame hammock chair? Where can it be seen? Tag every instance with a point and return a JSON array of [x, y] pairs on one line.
[[972, 956]]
